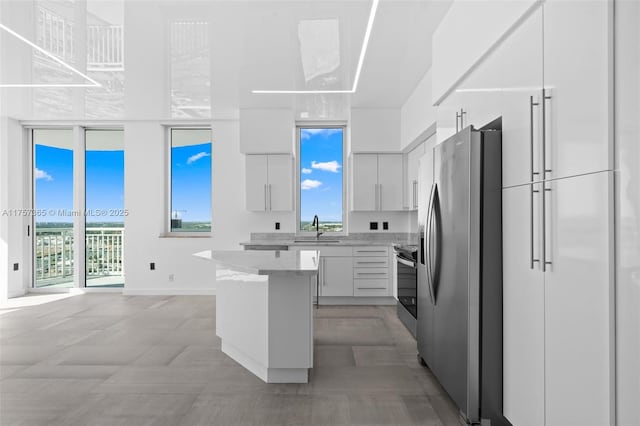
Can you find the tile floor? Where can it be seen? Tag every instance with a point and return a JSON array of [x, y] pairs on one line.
[[108, 359]]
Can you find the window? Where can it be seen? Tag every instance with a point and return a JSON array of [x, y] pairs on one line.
[[321, 178], [190, 197]]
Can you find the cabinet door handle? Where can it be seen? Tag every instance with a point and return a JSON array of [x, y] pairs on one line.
[[265, 197], [457, 117], [380, 196], [531, 105], [270, 200], [543, 255], [545, 98], [324, 282], [415, 194], [462, 113], [531, 231]]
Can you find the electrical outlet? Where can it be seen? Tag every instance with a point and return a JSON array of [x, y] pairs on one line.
[[373, 226], [16, 266], [152, 266], [171, 277], [385, 226], [277, 226]]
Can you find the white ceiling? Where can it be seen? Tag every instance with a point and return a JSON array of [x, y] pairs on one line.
[[256, 44]]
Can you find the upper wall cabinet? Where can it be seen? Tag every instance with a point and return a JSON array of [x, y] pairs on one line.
[[411, 183], [377, 182], [375, 130], [266, 131], [269, 182]]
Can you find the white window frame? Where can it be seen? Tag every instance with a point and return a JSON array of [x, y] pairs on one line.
[[345, 169], [167, 216]]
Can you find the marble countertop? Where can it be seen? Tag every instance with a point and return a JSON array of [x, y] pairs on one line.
[[313, 242], [269, 262]]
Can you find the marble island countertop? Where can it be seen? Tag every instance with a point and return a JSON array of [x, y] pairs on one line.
[[303, 262]]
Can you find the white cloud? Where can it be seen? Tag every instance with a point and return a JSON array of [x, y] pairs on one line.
[[310, 184], [306, 171], [41, 174], [307, 133], [197, 156], [329, 166]]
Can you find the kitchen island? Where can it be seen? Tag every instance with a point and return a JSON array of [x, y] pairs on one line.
[[264, 310]]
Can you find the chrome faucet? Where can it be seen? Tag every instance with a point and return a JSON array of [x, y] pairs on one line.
[[316, 223]]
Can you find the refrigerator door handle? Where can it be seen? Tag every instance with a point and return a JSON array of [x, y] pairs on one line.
[[428, 245]]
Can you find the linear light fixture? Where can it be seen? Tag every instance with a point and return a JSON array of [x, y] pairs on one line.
[[92, 83], [363, 52]]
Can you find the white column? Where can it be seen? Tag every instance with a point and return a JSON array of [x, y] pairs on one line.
[[79, 279]]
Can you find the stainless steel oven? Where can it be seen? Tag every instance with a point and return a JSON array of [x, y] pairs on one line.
[[407, 278]]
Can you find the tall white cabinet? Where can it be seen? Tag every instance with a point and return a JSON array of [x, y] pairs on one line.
[[557, 217], [550, 81]]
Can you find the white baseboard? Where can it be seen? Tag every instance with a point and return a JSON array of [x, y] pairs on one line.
[[75, 290], [168, 292]]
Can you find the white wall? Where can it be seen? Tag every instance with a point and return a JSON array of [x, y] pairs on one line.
[[375, 130], [266, 130], [418, 113], [14, 244], [628, 211], [469, 29]]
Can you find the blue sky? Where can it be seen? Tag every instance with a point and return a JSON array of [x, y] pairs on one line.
[[191, 182], [191, 178], [54, 183], [321, 174]]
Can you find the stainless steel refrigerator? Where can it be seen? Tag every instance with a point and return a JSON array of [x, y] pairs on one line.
[[459, 329]]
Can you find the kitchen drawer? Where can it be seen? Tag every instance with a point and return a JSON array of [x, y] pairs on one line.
[[371, 251], [371, 262], [371, 287], [371, 273], [326, 251]]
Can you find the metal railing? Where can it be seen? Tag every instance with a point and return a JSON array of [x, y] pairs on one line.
[[54, 253], [105, 48]]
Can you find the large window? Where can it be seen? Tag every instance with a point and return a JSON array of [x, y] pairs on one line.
[[321, 183], [190, 196]]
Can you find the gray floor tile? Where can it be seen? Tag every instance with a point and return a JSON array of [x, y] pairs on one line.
[[371, 356], [27, 354], [98, 359], [333, 356]]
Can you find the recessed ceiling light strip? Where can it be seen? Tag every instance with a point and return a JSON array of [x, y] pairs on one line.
[[58, 60], [363, 52]]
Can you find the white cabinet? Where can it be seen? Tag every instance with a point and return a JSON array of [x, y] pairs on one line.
[[578, 301], [365, 182], [269, 182], [377, 182], [578, 82], [557, 321], [335, 270], [411, 183], [523, 310], [371, 271], [336, 276], [521, 55]]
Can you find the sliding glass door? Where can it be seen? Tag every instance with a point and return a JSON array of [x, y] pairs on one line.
[[104, 212], [78, 208], [53, 263]]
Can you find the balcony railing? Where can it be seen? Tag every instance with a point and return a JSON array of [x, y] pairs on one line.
[[54, 253]]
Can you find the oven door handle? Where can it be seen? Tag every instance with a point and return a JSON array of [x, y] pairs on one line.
[[406, 262]]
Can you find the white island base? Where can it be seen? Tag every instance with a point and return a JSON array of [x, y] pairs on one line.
[[264, 313]]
